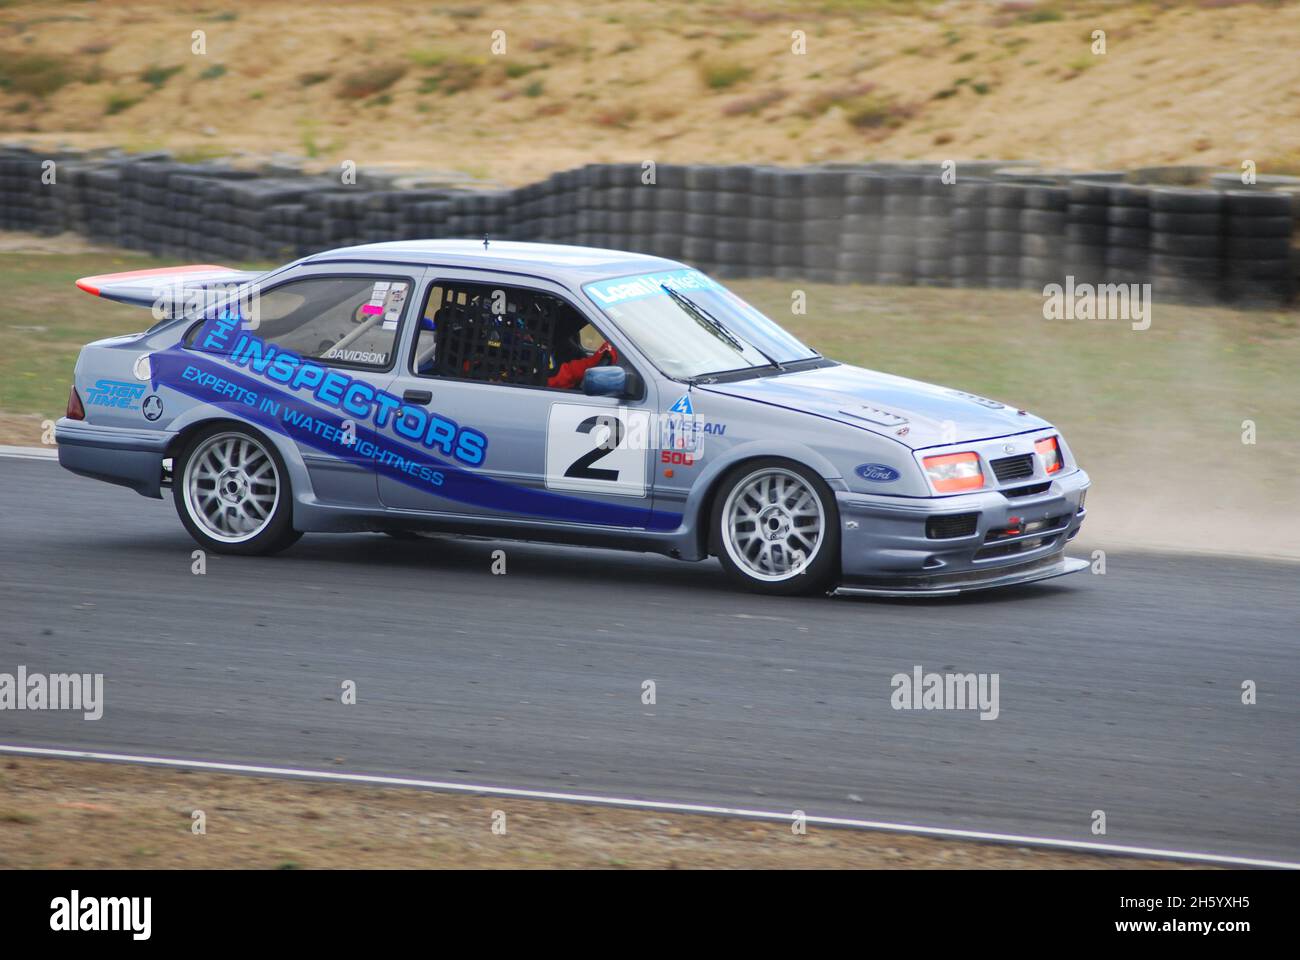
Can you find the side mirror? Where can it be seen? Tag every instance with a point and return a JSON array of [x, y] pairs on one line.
[[605, 382]]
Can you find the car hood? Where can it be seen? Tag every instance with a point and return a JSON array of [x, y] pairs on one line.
[[914, 413]]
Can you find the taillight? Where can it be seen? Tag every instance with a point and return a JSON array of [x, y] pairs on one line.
[[1050, 451], [949, 472], [75, 410]]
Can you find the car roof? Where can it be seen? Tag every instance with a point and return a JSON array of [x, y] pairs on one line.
[[574, 265]]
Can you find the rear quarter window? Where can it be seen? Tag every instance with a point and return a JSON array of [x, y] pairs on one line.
[[345, 320]]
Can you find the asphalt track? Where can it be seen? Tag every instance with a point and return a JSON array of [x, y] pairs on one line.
[[1119, 692]]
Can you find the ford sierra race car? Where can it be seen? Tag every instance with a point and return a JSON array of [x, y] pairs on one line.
[[557, 393]]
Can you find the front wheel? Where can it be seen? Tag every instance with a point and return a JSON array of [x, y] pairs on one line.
[[232, 492], [775, 528]]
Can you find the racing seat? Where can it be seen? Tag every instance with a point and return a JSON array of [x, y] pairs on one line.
[[424, 357]]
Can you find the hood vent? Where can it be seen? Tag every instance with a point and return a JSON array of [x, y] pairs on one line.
[[879, 417], [982, 401]]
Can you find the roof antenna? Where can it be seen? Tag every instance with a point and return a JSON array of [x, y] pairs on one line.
[[485, 241]]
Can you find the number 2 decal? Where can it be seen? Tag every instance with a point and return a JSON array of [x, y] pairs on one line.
[[593, 449], [581, 468]]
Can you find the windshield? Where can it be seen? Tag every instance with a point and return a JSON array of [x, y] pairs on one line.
[[723, 333]]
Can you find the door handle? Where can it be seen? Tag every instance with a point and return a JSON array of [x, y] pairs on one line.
[[417, 396]]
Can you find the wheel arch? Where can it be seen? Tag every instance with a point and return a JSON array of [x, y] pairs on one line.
[[299, 478], [700, 503]]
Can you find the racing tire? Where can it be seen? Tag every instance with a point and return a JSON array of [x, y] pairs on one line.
[[232, 492], [775, 528]]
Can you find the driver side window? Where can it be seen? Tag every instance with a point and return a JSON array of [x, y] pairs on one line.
[[511, 335]]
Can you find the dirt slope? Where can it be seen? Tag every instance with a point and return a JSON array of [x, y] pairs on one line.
[[419, 84]]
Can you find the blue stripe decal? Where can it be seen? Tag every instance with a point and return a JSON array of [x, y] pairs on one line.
[[277, 411]]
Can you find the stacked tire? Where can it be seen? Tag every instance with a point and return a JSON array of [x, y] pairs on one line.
[[569, 190], [787, 225], [866, 223], [1258, 265], [699, 246], [900, 212], [860, 244], [1042, 235], [1086, 225], [1186, 244], [1002, 234], [969, 265], [667, 202], [730, 219], [1128, 234], [29, 204], [591, 213], [102, 188], [761, 233], [635, 223], [934, 243], [344, 222], [822, 219], [550, 203]]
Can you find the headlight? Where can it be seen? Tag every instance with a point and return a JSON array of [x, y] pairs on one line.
[[954, 471], [1050, 451]]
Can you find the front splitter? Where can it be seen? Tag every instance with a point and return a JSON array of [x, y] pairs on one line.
[[1059, 569]]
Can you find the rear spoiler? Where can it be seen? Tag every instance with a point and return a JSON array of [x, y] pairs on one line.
[[169, 290]]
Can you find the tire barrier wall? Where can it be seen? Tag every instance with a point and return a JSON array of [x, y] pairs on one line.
[[997, 226]]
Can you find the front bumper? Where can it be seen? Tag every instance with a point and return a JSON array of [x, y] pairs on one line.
[[888, 548], [131, 458]]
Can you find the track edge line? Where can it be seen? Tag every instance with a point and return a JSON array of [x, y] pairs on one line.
[[1082, 846]]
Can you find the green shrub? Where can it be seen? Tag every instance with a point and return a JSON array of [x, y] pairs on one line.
[[1041, 15], [35, 74], [719, 76], [118, 102], [156, 76]]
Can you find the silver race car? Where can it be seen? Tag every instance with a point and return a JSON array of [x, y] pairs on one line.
[[542, 392]]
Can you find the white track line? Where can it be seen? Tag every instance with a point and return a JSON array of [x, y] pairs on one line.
[[29, 453], [450, 787]]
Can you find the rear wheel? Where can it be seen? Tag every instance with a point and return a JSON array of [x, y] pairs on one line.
[[232, 492], [775, 528]]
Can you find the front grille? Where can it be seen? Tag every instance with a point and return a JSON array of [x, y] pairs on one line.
[[1013, 468], [953, 525]]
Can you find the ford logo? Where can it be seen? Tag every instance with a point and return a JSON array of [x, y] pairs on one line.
[[877, 472]]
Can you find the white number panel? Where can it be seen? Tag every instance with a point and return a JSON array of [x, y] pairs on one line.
[[596, 449]]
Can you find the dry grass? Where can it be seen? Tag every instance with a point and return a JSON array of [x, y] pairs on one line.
[[57, 814], [629, 80]]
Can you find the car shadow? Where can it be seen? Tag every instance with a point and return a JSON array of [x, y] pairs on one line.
[[557, 561], [448, 552]]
